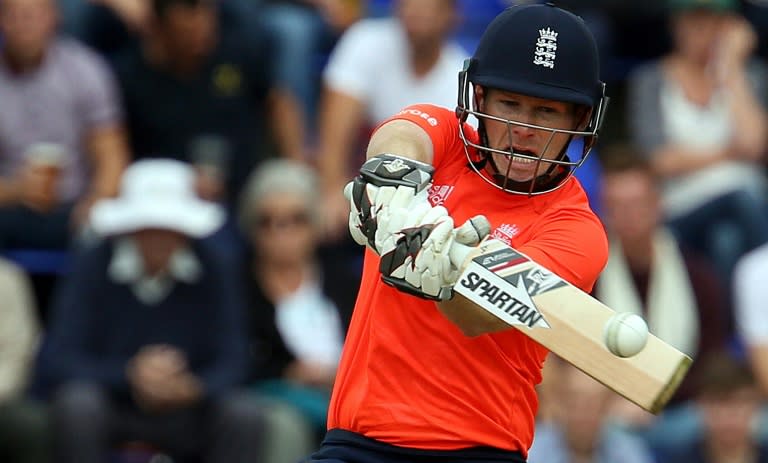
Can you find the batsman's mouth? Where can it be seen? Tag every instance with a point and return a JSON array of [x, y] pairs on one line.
[[514, 159], [518, 160]]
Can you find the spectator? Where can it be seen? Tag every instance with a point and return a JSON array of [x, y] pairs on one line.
[[699, 114], [56, 93], [147, 338], [23, 423], [648, 271], [728, 401], [378, 67], [300, 302], [192, 80], [302, 32], [580, 431], [112, 26]]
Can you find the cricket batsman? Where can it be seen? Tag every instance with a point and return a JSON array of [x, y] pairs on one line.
[[425, 375]]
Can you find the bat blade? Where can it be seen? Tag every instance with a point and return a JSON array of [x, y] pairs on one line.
[[567, 321]]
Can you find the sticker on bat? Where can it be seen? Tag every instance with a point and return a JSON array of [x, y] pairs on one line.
[[538, 280], [510, 301]]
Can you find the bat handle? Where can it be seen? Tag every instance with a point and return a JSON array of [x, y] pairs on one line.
[[459, 254]]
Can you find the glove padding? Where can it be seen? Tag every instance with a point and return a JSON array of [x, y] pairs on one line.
[[388, 188], [420, 263]]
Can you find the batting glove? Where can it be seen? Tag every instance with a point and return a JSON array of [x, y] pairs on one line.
[[420, 262], [388, 191]]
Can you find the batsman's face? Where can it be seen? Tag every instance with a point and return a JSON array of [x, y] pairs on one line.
[[521, 139]]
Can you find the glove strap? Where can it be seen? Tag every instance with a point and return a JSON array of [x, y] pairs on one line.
[[393, 170]]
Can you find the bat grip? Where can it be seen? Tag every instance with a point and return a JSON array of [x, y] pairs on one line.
[[459, 254]]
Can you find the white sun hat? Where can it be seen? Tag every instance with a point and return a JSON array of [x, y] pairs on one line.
[[157, 193]]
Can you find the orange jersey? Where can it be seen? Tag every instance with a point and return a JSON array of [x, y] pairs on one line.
[[408, 376]]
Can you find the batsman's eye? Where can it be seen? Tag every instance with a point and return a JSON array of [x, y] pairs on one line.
[[510, 104]]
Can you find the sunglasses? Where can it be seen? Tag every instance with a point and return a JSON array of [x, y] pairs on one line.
[[283, 220]]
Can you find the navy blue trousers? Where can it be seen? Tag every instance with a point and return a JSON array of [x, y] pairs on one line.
[[341, 446]]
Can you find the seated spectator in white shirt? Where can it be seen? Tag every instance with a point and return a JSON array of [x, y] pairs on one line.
[[379, 67]]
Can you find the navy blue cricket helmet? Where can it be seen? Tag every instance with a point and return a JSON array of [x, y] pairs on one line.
[[541, 51]]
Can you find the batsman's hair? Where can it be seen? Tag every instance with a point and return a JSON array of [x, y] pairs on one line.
[[278, 177]]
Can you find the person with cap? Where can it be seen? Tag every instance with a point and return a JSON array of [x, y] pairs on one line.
[[147, 337], [425, 375]]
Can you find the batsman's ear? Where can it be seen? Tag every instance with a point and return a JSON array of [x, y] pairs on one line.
[[583, 116]]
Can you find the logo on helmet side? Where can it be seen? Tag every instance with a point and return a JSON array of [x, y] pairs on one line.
[[546, 46]]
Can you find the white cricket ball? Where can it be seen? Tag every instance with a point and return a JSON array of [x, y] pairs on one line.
[[625, 334]]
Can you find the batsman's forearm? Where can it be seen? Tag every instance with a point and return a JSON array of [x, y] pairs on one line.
[[403, 138], [469, 318]]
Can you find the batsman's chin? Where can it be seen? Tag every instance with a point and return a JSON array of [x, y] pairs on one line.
[[521, 175], [519, 169]]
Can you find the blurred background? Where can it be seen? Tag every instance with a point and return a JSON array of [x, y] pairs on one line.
[[176, 275]]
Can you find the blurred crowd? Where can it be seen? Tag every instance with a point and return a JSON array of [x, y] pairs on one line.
[[178, 166]]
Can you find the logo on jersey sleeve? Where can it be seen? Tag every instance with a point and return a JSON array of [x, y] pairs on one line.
[[419, 113]]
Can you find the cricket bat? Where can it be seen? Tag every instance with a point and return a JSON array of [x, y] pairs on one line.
[[565, 320]]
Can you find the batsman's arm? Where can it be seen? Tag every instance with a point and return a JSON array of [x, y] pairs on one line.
[[470, 318], [404, 138], [409, 140]]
